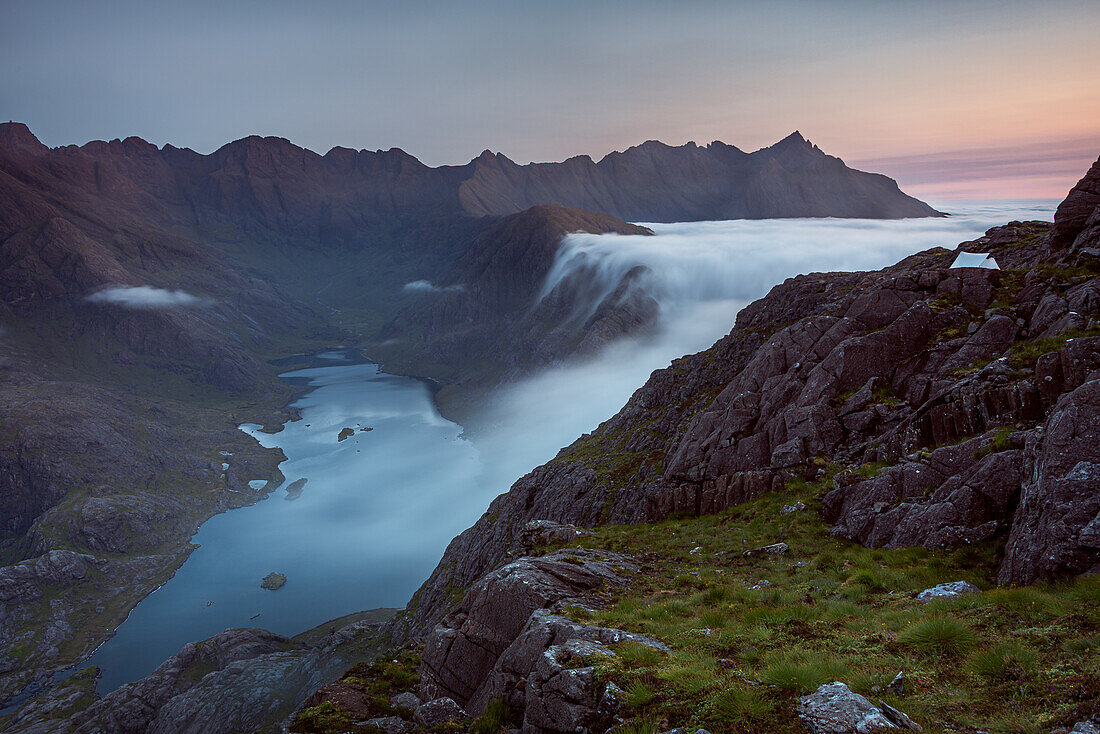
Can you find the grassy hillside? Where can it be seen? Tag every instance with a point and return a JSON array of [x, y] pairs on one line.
[[751, 634]]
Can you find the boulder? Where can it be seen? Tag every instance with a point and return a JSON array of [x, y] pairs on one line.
[[510, 677], [835, 709], [947, 591], [775, 549], [391, 724], [544, 532], [438, 711], [563, 698], [463, 648], [407, 700]]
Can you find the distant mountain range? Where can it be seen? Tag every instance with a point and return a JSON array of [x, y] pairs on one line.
[[654, 182]]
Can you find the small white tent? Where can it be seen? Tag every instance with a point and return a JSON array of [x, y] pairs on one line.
[[975, 260]]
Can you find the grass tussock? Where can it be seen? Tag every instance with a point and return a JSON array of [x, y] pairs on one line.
[[939, 635]]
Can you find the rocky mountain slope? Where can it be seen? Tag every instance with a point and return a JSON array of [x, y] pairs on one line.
[[961, 404]]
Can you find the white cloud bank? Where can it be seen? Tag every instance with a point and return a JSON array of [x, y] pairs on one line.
[[145, 296], [701, 274]]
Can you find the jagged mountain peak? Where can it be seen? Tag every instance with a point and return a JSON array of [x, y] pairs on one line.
[[16, 136]]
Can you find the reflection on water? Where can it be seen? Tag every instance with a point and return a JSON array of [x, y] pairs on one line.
[[364, 531]]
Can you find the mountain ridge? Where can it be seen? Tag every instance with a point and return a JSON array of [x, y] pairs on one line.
[[623, 183]]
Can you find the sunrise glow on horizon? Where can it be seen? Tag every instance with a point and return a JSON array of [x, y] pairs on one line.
[[977, 100]]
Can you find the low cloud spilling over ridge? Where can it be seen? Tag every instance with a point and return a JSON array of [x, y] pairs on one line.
[[146, 296], [701, 274]]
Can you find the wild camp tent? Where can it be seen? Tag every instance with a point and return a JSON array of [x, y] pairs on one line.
[[975, 260]]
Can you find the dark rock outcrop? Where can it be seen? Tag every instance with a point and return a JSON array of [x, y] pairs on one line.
[[548, 646], [834, 709], [504, 642], [238, 680], [1056, 528], [462, 650], [1077, 220]]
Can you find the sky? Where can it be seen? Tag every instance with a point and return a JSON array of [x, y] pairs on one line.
[[976, 99]]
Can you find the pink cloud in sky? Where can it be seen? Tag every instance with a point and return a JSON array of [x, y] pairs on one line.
[[1043, 169]]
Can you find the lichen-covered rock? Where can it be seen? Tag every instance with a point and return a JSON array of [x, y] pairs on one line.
[[1056, 527], [391, 724], [543, 532], [834, 709], [775, 549], [948, 590], [562, 697], [509, 678], [438, 711], [463, 648], [406, 700]]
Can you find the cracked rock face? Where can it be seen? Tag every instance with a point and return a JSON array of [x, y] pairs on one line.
[[464, 647], [504, 642], [1056, 528], [548, 640], [438, 711]]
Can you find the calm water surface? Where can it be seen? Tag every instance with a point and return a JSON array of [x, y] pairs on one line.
[[373, 518]]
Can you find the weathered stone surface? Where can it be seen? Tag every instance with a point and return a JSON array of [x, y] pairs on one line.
[[463, 648], [545, 631], [406, 700], [438, 711], [543, 532], [948, 590], [775, 549], [561, 697], [1056, 528], [834, 709], [951, 498], [391, 724]]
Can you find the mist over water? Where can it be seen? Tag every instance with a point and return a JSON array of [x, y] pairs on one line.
[[701, 274]]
